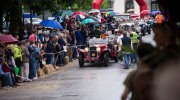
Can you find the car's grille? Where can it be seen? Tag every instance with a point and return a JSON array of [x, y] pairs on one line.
[[92, 52], [92, 48]]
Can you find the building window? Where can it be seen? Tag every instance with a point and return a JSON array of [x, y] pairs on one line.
[[129, 5], [154, 6]]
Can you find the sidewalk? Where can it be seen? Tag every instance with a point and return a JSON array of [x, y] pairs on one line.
[[69, 66], [61, 69]]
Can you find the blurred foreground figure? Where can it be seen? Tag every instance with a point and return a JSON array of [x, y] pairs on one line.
[[167, 81]]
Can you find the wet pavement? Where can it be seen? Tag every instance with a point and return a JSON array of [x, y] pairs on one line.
[[93, 82]]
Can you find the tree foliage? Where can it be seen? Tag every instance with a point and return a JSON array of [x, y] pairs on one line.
[[13, 9], [106, 4]]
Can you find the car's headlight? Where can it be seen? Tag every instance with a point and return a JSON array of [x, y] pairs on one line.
[[86, 49], [98, 49]]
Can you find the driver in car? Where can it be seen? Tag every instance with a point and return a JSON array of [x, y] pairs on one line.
[[97, 32]]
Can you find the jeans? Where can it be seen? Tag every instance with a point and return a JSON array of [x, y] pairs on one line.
[[61, 58], [33, 65], [6, 79], [126, 60], [50, 59], [133, 58], [74, 49]]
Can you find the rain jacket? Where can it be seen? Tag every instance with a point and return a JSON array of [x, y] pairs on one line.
[[134, 37], [78, 36], [17, 52]]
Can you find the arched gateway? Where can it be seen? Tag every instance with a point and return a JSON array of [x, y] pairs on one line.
[[142, 4]]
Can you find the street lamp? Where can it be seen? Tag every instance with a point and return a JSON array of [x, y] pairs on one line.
[[23, 16]]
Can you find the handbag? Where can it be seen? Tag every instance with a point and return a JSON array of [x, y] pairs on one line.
[[16, 71]]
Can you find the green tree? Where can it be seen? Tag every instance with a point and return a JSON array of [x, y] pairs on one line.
[[13, 9], [106, 4]]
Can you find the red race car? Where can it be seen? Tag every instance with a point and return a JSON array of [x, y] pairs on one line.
[[99, 50]]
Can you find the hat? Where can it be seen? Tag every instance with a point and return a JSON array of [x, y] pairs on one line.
[[23, 42]]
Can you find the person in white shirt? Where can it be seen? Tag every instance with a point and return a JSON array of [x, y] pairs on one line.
[[119, 41]]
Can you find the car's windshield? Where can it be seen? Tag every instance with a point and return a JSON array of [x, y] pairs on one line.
[[98, 41]]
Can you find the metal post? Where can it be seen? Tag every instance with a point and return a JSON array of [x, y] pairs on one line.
[[23, 16]]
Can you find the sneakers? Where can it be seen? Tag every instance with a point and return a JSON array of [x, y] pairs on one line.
[[35, 78], [6, 87], [27, 80]]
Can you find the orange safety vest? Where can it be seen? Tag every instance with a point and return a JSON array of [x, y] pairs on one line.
[[159, 19]]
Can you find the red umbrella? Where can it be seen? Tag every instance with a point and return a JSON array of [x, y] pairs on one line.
[[134, 15], [8, 39], [78, 15], [79, 12], [145, 12]]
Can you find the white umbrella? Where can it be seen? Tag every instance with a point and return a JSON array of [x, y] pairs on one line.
[[94, 11], [130, 10], [82, 16]]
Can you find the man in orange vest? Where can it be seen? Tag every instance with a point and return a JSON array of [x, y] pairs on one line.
[[159, 18]]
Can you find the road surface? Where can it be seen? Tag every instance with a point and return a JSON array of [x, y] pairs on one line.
[[93, 82]]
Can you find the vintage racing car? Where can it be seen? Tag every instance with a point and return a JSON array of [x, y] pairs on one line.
[[99, 50]]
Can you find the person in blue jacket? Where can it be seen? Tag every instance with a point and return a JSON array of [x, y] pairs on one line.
[[78, 36]]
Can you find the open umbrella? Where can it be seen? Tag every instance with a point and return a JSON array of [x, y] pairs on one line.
[[88, 21], [94, 11], [145, 12], [79, 16], [155, 12], [79, 12], [94, 18], [8, 39], [130, 10], [112, 13], [51, 23]]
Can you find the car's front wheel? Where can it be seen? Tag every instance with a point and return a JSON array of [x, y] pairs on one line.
[[81, 60]]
